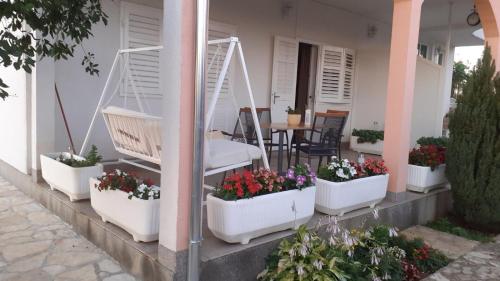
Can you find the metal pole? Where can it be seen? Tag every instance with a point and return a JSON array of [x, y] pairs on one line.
[[198, 142], [72, 145]]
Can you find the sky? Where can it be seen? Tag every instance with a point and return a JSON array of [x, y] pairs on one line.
[[468, 55]]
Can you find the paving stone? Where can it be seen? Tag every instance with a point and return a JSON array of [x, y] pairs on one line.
[[12, 252], [86, 273], [36, 245]]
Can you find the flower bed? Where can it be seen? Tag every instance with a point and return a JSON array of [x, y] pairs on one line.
[[70, 173], [375, 254], [343, 186], [367, 141], [257, 203], [127, 202], [426, 168]]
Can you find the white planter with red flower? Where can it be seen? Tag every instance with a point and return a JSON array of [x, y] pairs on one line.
[[139, 217], [238, 220], [348, 186], [244, 219], [423, 179], [72, 181], [338, 198]]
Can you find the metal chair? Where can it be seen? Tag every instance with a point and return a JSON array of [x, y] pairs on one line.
[[324, 139]]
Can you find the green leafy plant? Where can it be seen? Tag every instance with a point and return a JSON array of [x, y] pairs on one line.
[[473, 152], [371, 136], [35, 29], [290, 110], [89, 160], [437, 141], [445, 225]]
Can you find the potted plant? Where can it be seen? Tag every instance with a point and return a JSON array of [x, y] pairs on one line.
[[128, 202], [257, 203], [343, 186], [70, 173], [426, 168], [367, 141], [294, 116]]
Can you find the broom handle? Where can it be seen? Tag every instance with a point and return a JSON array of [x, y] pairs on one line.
[[73, 151]]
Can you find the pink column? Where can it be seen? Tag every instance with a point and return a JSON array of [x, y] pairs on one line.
[[402, 63], [178, 68], [489, 12]]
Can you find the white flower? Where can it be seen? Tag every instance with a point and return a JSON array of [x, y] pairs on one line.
[[318, 264], [291, 252], [375, 260], [151, 193], [375, 213], [393, 232], [130, 193], [103, 173], [303, 251], [300, 270]]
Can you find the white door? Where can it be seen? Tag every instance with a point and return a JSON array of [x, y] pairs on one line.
[[284, 80]]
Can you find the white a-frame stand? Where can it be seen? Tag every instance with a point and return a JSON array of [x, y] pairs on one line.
[[234, 43]]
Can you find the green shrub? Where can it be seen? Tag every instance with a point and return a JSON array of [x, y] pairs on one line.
[[473, 152], [445, 225], [371, 136], [437, 141], [91, 159]]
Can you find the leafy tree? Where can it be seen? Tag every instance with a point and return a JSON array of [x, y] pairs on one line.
[[460, 75], [46, 28], [473, 155]]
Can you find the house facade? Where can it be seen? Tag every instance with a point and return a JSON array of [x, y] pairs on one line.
[[389, 63]]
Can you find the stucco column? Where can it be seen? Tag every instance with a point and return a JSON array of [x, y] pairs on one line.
[[489, 12], [400, 88], [178, 68]]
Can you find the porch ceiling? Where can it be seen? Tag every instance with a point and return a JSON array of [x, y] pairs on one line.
[[434, 19]]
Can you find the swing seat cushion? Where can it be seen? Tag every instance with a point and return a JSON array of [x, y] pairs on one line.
[[221, 152]]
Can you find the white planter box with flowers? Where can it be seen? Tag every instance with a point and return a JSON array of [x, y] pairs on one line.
[[367, 141], [426, 168], [236, 219], [139, 217], [72, 181], [347, 189]]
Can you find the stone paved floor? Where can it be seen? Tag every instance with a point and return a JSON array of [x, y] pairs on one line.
[[36, 245], [483, 263]]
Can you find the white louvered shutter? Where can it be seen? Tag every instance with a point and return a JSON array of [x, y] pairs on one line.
[[330, 78], [348, 76], [224, 116], [142, 27]]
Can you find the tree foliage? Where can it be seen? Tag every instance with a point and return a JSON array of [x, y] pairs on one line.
[[460, 76], [473, 155], [34, 29]]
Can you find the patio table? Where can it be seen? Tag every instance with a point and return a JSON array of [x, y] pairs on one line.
[[281, 128]]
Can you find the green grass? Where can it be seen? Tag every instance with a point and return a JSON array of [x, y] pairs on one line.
[[445, 225]]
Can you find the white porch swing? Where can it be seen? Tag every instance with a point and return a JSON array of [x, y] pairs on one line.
[[138, 134]]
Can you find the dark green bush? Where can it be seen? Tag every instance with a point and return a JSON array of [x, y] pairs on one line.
[[473, 152], [91, 159], [437, 141], [371, 136]]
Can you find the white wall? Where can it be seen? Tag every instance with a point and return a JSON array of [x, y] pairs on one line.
[[14, 120]]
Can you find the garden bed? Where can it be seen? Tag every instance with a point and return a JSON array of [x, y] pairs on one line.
[[457, 227]]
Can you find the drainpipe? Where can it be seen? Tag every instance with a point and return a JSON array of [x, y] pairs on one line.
[[198, 143]]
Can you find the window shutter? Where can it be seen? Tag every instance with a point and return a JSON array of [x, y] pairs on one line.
[[336, 76], [142, 27], [349, 64], [330, 74]]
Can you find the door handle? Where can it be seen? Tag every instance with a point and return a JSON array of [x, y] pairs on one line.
[[274, 98]]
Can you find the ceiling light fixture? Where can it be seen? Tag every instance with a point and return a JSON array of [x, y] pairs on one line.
[[473, 18]]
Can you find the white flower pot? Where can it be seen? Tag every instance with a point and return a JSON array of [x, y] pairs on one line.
[[72, 181], [367, 147], [423, 179], [338, 198], [241, 220], [139, 217]]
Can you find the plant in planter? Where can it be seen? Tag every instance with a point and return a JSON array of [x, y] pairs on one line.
[[253, 204], [70, 173], [426, 169], [437, 141], [367, 141], [294, 116], [129, 202], [343, 186]]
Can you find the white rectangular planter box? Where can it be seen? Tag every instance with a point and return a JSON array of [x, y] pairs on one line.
[[139, 217], [241, 220], [72, 181], [338, 198], [422, 179], [367, 147]]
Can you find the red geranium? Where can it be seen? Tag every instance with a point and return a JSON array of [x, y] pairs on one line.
[[249, 184], [428, 156]]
